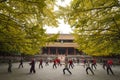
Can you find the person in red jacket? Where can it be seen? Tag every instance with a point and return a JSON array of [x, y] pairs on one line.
[[71, 64], [108, 65], [32, 64], [110, 62], [41, 63], [58, 62], [93, 64], [54, 63]]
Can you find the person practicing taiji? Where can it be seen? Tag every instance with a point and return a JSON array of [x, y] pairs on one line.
[[66, 66], [88, 67], [108, 66], [21, 63], [10, 66], [46, 62], [41, 64], [54, 63], [71, 64], [32, 64], [94, 65]]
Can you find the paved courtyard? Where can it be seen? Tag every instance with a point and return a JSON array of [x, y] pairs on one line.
[[48, 73]]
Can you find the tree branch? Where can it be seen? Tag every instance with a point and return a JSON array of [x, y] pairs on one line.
[[116, 24], [97, 8], [2, 1]]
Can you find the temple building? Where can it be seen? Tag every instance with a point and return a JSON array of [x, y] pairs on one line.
[[64, 45]]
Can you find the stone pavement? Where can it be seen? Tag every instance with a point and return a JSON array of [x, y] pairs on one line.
[[48, 73]]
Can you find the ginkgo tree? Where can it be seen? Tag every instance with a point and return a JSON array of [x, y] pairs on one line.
[[97, 25], [22, 25]]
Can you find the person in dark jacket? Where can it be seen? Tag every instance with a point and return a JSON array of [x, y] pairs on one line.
[[9, 66], [104, 64], [46, 62], [32, 64], [78, 61], [41, 63], [21, 63]]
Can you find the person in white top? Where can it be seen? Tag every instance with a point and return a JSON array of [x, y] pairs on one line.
[[88, 67], [66, 66]]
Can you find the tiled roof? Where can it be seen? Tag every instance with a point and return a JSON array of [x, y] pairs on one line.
[[63, 37], [66, 37], [56, 44]]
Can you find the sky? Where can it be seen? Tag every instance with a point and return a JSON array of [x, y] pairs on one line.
[[62, 28]]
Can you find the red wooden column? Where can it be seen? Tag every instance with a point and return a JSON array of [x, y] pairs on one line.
[[57, 51], [48, 51], [66, 51], [74, 51]]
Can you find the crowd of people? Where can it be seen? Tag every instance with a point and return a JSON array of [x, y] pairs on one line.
[[88, 64]]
